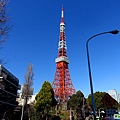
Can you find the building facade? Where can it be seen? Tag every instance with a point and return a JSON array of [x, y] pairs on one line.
[[9, 86]]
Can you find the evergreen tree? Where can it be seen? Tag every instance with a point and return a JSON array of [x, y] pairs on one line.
[[77, 102], [98, 103], [97, 98], [45, 100]]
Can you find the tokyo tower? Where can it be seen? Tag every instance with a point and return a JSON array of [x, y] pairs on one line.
[[62, 84]]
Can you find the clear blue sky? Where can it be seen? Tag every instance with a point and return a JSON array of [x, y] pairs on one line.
[[35, 35]]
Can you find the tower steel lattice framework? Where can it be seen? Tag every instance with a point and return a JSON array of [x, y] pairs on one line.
[[62, 84]]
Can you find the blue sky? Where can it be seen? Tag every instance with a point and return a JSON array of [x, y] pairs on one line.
[[35, 35]]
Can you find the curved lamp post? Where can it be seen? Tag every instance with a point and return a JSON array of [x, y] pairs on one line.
[[89, 69]]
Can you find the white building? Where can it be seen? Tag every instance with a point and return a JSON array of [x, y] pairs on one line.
[[20, 99], [118, 97], [31, 100], [113, 94]]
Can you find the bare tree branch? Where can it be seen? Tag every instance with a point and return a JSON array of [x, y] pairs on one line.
[[3, 61], [29, 75], [4, 26], [27, 86], [27, 89]]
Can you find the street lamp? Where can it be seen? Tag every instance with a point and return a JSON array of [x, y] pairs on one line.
[[89, 69]]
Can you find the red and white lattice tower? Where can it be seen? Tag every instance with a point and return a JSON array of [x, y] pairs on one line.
[[62, 84]]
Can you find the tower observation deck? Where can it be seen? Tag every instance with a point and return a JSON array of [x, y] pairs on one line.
[[62, 84]]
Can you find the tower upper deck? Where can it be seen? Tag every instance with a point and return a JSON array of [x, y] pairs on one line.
[[62, 47]]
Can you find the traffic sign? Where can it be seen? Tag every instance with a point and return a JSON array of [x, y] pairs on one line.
[[117, 116], [110, 111], [108, 101]]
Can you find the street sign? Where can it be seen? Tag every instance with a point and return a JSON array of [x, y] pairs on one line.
[[117, 116], [110, 111], [108, 101]]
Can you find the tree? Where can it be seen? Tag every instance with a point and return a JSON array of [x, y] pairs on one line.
[[75, 100], [27, 89], [78, 103], [45, 100], [97, 98], [4, 25]]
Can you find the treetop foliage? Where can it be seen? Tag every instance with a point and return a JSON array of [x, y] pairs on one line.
[[97, 98], [75, 100], [45, 98]]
